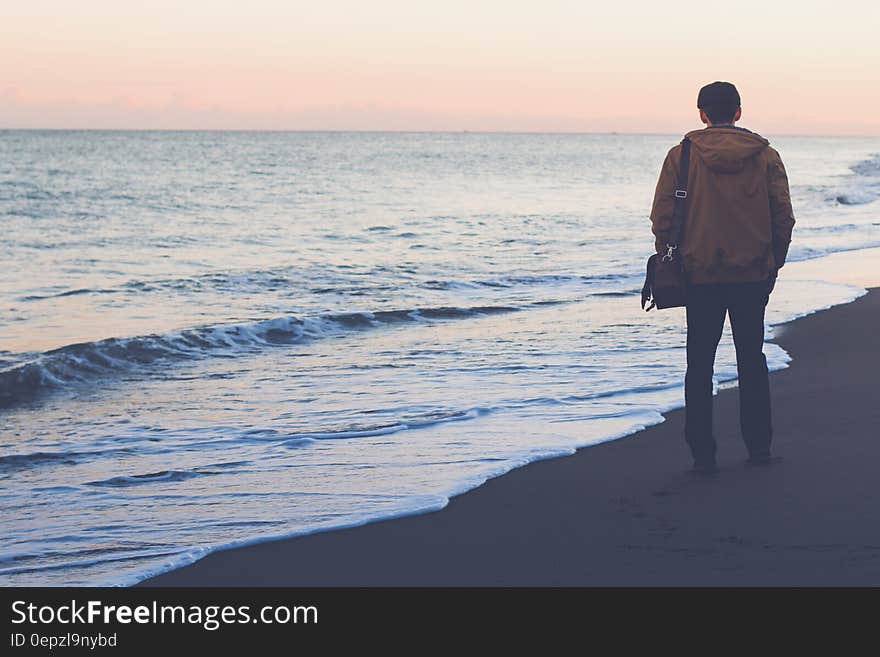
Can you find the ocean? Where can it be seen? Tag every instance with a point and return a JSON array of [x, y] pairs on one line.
[[214, 338]]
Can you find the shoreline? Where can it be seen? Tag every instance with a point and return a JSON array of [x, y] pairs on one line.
[[616, 512]]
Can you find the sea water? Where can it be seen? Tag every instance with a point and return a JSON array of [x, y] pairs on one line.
[[213, 338]]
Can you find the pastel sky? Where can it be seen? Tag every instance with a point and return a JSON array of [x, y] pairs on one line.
[[802, 67]]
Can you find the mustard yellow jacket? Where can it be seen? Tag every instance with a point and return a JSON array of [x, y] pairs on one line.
[[739, 216]]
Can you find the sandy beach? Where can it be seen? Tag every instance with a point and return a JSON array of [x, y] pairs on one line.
[[627, 512]]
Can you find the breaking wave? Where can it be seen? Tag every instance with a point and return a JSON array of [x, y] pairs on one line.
[[89, 361], [863, 185]]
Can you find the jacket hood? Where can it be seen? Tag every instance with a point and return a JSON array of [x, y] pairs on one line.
[[725, 150]]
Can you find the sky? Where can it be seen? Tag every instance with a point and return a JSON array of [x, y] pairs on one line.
[[804, 67]]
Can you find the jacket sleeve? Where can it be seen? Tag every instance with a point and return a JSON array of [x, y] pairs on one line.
[[781, 214], [664, 200]]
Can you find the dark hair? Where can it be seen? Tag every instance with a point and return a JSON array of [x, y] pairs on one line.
[[720, 101]]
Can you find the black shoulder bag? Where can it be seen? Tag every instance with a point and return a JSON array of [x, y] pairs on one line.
[[665, 281]]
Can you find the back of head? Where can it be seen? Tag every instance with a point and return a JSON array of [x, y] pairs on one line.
[[720, 101], [728, 149]]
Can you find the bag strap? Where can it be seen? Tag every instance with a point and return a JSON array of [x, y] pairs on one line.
[[648, 287], [681, 194]]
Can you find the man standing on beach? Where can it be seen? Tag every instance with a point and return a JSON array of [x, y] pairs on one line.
[[734, 240]]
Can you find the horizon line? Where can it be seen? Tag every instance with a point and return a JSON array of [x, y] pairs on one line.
[[386, 131]]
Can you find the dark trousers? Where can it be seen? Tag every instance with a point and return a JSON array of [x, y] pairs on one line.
[[707, 306]]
